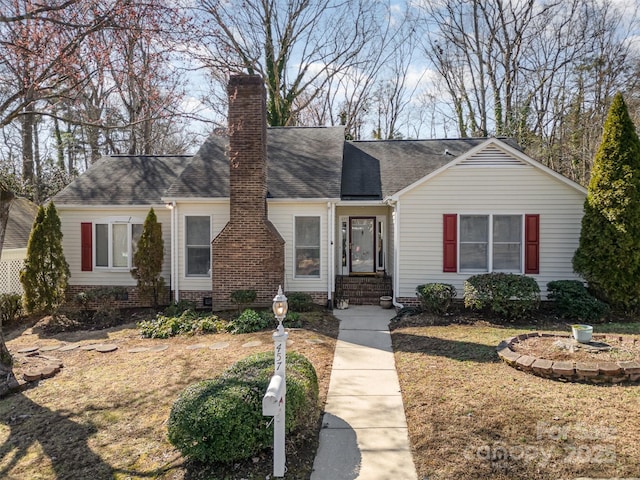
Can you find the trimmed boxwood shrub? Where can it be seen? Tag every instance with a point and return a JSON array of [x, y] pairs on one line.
[[507, 295], [249, 321], [573, 300], [221, 420], [436, 297]]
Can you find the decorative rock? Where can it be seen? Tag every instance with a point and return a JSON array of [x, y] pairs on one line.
[[32, 375], [314, 341], [28, 350], [158, 348], [254, 343], [69, 347], [89, 347], [219, 345], [49, 371], [138, 349], [50, 348], [196, 346], [105, 348]]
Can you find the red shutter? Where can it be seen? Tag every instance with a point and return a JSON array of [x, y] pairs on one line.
[[532, 244], [86, 246], [450, 242]]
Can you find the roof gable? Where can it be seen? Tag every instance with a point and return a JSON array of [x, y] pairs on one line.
[[22, 213], [492, 153]]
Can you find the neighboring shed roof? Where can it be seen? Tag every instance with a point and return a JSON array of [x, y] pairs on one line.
[[124, 180], [302, 162], [22, 212], [375, 169]]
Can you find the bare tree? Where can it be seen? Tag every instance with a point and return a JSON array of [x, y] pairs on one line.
[[297, 46]]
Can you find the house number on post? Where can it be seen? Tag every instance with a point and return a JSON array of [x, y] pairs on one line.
[[275, 399]]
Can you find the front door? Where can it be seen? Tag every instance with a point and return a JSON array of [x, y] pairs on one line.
[[362, 248]]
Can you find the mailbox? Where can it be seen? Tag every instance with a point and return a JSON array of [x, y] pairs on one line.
[[273, 399]]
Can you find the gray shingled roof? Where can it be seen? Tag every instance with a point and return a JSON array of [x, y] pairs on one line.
[[376, 169], [124, 180], [302, 162], [22, 212]]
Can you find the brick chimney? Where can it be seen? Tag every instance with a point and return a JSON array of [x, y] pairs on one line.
[[248, 254]]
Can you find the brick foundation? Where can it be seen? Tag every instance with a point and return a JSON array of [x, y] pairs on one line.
[[130, 299]]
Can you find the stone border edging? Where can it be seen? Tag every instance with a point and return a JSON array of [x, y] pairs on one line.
[[589, 372]]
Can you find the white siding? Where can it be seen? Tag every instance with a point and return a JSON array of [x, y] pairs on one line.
[[492, 189], [72, 218], [282, 215]]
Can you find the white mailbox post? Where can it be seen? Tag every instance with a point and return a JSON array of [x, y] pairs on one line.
[[274, 400]]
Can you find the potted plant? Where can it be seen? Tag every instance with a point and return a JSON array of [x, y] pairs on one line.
[[582, 333]]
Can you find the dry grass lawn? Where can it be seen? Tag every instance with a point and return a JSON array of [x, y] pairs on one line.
[[103, 416], [471, 416]]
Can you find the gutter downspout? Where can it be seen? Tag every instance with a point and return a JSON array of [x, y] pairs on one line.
[[331, 216], [174, 258], [395, 204]]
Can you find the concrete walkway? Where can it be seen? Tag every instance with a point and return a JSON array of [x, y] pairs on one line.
[[364, 434]]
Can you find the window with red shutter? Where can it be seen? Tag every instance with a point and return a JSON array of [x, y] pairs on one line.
[[450, 242], [86, 246], [532, 244]]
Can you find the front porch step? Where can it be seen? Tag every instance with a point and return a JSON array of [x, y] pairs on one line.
[[363, 290]]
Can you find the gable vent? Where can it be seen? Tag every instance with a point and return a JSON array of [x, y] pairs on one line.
[[492, 156]]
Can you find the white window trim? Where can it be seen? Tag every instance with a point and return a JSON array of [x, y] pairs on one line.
[[129, 221], [185, 246], [295, 248], [490, 242]]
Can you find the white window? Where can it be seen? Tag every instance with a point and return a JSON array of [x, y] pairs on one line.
[[197, 246], [307, 247], [490, 243], [116, 243]]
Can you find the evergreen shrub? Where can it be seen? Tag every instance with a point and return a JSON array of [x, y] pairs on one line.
[[573, 300], [221, 420], [507, 295], [436, 297]]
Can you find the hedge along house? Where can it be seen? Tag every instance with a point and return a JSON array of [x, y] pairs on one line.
[[258, 206]]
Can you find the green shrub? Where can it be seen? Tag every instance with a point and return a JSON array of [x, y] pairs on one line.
[[436, 297], [243, 297], [10, 307], [573, 300], [179, 307], [300, 302], [189, 322], [292, 320], [507, 295], [249, 321], [221, 420]]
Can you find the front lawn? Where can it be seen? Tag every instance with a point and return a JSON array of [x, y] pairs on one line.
[[471, 416], [104, 415]]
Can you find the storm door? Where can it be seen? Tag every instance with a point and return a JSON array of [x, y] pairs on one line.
[[362, 247]]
